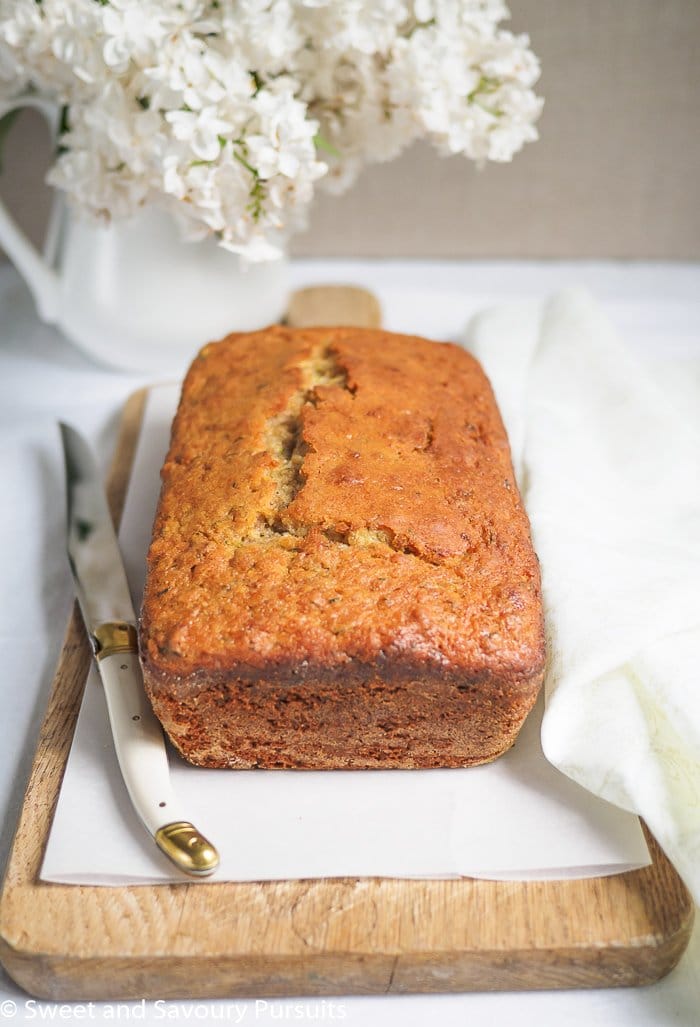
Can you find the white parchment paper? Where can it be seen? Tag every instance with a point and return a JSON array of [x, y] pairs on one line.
[[517, 818]]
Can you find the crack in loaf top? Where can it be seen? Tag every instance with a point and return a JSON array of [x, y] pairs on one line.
[[339, 494]]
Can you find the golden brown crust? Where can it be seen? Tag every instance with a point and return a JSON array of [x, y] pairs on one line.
[[339, 536]]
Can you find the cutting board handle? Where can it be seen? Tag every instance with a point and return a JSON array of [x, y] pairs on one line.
[[334, 305]]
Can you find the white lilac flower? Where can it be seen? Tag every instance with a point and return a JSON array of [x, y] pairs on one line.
[[201, 129], [230, 113]]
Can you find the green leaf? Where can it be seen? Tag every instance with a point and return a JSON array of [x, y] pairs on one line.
[[321, 143], [6, 123]]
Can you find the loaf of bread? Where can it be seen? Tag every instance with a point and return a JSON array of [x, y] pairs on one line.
[[341, 573]]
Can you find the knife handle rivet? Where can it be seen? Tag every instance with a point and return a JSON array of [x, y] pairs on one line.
[[136, 717]]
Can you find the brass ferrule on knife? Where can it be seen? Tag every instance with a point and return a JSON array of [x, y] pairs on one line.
[[114, 637]]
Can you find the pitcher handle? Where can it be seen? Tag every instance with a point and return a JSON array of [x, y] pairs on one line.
[[34, 268]]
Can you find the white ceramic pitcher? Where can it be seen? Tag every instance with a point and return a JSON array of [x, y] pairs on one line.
[[132, 294]]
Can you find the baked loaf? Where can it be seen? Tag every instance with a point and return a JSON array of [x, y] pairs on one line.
[[341, 572]]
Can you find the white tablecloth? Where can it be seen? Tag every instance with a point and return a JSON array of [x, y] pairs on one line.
[[655, 307]]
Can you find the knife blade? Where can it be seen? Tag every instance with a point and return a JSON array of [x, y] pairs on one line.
[[105, 602]]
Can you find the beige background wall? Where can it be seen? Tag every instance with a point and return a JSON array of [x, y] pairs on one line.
[[616, 172]]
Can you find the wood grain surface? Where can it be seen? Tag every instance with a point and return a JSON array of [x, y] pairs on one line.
[[312, 937]]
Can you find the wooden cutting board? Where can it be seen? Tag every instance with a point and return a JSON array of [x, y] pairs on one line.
[[312, 937]]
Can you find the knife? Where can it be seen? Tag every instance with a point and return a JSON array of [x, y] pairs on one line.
[[105, 603]]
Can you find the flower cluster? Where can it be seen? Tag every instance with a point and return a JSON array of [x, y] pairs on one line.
[[228, 112]]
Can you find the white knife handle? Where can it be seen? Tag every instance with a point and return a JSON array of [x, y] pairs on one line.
[[143, 761], [138, 740]]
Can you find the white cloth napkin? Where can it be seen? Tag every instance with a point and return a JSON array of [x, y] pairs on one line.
[[608, 459]]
